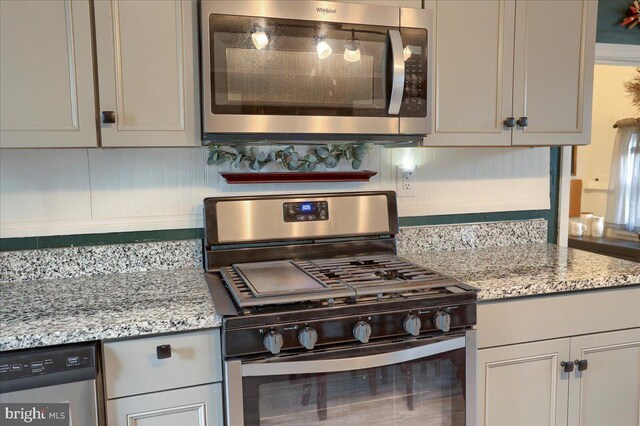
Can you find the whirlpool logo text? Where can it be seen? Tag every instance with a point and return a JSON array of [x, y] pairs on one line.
[[325, 10]]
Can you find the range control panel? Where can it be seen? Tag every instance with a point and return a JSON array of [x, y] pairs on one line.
[[357, 328], [41, 362], [305, 211]]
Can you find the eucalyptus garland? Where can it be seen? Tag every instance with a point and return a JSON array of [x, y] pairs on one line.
[[289, 159]]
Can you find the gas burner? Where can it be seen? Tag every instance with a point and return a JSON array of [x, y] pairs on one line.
[[382, 276]]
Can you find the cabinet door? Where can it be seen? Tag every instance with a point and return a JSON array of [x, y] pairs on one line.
[[472, 85], [147, 72], [46, 75], [523, 384], [608, 391], [553, 71], [196, 406]]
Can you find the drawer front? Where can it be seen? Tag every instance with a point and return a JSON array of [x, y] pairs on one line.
[[196, 406], [133, 367]]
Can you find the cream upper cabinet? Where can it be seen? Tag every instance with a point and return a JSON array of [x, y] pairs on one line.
[[47, 94], [528, 60], [147, 72], [554, 63], [607, 392], [523, 384], [473, 75]]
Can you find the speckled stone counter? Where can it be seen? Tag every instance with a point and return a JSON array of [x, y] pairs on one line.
[[51, 312], [529, 269]]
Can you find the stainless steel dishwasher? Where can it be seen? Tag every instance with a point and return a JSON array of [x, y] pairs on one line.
[[63, 374]]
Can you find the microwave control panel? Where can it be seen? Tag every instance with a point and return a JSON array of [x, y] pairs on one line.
[[414, 98]]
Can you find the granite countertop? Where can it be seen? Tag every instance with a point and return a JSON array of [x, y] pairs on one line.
[[67, 310], [528, 270]]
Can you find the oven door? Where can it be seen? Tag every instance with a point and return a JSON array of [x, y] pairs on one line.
[[309, 68], [413, 382]]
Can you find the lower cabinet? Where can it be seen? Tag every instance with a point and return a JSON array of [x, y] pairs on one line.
[[195, 406], [608, 391], [526, 384], [164, 380], [523, 384]]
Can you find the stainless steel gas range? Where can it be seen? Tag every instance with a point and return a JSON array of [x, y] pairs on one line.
[[325, 324]]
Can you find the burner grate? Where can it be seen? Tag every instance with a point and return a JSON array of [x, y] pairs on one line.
[[373, 274], [381, 276]]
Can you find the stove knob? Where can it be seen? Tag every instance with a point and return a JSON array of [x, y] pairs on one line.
[[308, 337], [412, 324], [273, 342], [362, 331], [442, 321]]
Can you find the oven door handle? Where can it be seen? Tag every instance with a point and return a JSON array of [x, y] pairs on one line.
[[397, 75], [349, 364]]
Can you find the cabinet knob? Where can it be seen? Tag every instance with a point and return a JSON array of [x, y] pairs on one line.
[[510, 122], [108, 117], [582, 364], [163, 351], [567, 366], [522, 122]]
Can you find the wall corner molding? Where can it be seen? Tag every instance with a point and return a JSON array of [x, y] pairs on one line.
[[618, 54]]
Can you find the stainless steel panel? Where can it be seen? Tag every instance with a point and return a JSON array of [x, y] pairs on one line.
[[471, 372], [273, 278], [410, 17], [233, 393], [397, 83], [237, 123], [350, 364], [262, 219], [416, 125], [322, 11]]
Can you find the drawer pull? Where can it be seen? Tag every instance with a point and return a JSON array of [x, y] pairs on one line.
[[163, 351]]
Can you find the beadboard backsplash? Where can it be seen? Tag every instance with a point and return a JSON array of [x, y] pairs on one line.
[[107, 259], [79, 191]]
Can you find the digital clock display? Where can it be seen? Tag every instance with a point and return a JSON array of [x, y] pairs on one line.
[[307, 207], [305, 211]]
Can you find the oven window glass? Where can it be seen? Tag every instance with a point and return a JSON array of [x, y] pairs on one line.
[[428, 391], [278, 66]]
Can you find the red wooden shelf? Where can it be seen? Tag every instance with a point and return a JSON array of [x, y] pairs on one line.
[[297, 177]]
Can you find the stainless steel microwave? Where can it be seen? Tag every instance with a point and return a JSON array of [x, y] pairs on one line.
[[311, 71]]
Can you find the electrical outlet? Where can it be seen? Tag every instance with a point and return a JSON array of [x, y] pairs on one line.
[[405, 182]]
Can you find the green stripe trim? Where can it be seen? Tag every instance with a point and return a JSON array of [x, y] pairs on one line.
[[554, 194], [58, 241], [449, 219]]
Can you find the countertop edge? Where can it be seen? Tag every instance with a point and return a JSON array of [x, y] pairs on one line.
[[109, 332]]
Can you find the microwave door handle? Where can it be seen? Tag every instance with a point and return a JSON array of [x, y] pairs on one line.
[[397, 83], [350, 364]]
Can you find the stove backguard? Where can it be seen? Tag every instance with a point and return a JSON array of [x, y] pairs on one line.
[[298, 226]]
